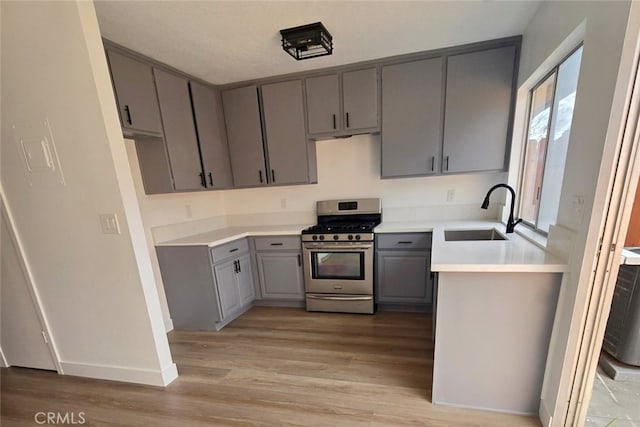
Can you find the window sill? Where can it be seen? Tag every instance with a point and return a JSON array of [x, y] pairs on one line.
[[532, 236]]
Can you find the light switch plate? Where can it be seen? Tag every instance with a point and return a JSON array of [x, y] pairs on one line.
[[109, 224], [39, 155]]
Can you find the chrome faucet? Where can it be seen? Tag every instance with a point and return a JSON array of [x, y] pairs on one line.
[[511, 224]]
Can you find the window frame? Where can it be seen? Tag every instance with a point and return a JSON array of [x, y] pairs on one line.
[[554, 70]]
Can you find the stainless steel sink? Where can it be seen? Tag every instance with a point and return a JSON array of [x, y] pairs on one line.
[[470, 235]]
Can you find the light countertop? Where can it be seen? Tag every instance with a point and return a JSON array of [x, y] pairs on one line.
[[630, 257], [516, 254], [225, 235]]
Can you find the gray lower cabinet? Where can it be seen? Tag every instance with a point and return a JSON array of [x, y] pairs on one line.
[[245, 280], [179, 130], [279, 267], [206, 288], [235, 284], [411, 118], [244, 134], [135, 94], [227, 286], [403, 274], [480, 91]]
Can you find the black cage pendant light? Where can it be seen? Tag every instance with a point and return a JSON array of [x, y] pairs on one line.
[[307, 41]]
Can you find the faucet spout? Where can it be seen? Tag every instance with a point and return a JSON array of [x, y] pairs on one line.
[[511, 224]]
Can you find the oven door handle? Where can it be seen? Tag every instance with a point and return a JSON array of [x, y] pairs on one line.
[[335, 247], [331, 298]]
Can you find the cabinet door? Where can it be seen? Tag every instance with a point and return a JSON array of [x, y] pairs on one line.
[[478, 110], [179, 130], [207, 111], [360, 99], [411, 118], [189, 286], [403, 277], [244, 133], [283, 110], [323, 104], [245, 280], [136, 94], [280, 275], [227, 287]]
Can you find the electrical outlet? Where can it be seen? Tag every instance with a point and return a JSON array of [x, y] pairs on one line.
[[451, 194], [109, 224], [187, 209], [283, 203], [578, 208]]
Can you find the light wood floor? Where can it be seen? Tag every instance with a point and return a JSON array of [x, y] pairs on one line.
[[272, 366]]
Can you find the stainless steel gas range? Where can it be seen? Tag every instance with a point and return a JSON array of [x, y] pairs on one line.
[[338, 256]]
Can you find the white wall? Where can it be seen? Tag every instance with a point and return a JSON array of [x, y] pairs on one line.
[[554, 30], [350, 168], [97, 290]]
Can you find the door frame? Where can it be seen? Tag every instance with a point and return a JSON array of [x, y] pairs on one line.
[[5, 211], [620, 189]]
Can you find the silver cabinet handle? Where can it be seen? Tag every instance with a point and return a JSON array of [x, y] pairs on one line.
[[446, 163], [433, 163]]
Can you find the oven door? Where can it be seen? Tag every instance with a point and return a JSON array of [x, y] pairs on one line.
[[339, 267]]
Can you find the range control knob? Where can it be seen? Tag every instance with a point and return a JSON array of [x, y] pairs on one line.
[[335, 237], [321, 237], [357, 237], [350, 237], [315, 237]]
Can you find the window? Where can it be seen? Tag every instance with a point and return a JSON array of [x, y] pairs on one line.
[[549, 128]]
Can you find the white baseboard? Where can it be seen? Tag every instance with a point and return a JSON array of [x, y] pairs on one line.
[[279, 303], [121, 373], [168, 324], [545, 416], [3, 360]]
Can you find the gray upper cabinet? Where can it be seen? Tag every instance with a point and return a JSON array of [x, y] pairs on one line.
[[360, 99], [411, 118], [323, 104], [283, 109], [179, 130], [342, 104], [209, 118], [478, 110], [136, 95], [244, 134]]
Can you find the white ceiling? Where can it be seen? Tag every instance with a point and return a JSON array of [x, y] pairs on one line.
[[230, 41]]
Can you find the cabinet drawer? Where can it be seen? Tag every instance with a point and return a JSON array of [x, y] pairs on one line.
[[277, 243], [227, 250], [404, 241]]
